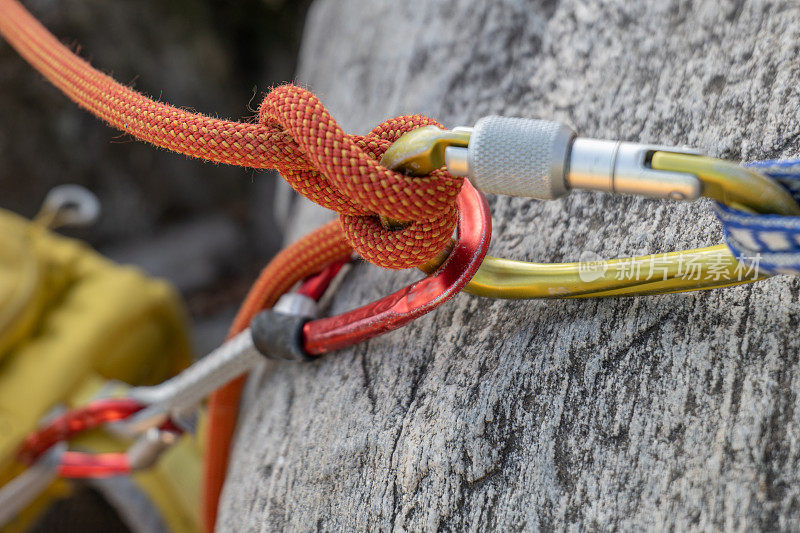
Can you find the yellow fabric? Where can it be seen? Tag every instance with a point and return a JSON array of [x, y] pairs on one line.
[[69, 317]]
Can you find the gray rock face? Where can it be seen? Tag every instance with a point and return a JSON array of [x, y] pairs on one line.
[[667, 412]]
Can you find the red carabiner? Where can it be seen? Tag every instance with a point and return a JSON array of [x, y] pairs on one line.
[[399, 308], [76, 421]]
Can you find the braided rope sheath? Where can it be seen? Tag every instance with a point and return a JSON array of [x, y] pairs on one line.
[[295, 135]]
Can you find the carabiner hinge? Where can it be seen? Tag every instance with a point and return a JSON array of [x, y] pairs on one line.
[[624, 168]]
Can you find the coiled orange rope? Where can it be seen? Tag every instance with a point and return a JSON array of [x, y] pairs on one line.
[[296, 135]]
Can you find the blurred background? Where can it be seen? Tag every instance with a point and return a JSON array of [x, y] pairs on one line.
[[207, 228]]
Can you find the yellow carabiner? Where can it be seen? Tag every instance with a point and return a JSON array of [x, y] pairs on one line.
[[688, 270]]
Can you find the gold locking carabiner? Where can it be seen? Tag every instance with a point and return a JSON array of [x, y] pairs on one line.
[[421, 151]]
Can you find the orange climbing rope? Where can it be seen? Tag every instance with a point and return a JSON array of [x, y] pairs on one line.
[[298, 261], [295, 135]]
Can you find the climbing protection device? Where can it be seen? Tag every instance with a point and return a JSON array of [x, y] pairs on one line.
[[546, 160], [92, 416], [154, 415]]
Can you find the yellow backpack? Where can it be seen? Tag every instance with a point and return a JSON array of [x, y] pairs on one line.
[[70, 321]]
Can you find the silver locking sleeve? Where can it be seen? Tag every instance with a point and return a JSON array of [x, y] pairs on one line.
[[520, 157]]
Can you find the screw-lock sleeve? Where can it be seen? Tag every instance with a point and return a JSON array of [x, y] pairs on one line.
[[520, 157]]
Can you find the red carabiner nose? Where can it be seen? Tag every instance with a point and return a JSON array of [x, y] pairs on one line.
[[397, 309]]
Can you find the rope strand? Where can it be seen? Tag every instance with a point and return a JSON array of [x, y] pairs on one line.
[[295, 135]]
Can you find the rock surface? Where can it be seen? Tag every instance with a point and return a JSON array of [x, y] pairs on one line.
[[668, 412]]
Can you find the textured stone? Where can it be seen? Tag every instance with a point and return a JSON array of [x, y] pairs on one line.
[[668, 412]]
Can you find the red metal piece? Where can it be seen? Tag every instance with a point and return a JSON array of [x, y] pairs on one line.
[[397, 309], [76, 421], [315, 286], [93, 465]]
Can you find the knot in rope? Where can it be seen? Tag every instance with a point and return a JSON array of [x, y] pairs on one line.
[[341, 172], [295, 135]]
